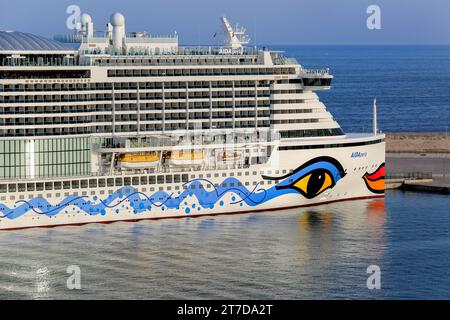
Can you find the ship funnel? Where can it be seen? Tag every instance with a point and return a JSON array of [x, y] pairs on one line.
[[118, 31]]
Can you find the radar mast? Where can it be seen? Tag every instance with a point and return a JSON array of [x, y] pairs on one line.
[[234, 37]]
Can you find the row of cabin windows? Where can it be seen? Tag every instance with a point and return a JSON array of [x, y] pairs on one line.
[[290, 91], [142, 189], [128, 85], [130, 117], [132, 96], [287, 101], [311, 133], [291, 121], [122, 181], [157, 127], [197, 72], [177, 61], [131, 107], [288, 111]]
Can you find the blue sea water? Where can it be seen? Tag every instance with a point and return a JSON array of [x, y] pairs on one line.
[[305, 253], [411, 83]]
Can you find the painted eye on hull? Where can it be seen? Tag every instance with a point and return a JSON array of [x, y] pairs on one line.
[[313, 183], [313, 177]]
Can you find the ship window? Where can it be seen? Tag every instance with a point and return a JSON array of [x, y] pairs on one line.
[[168, 179], [119, 182], [93, 183], [184, 178], [176, 178], [84, 183], [110, 182], [160, 179], [127, 181], [48, 186], [12, 188], [144, 180], [151, 180]]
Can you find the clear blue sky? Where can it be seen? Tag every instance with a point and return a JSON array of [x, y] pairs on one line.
[[273, 21]]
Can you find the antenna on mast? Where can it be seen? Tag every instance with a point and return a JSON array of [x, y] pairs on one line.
[[234, 37], [375, 126]]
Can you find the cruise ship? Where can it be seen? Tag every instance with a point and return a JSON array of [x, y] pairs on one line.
[[115, 126]]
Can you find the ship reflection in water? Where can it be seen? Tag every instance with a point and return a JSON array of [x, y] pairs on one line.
[[316, 252]]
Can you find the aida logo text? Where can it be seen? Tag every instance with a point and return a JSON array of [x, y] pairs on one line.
[[358, 154]]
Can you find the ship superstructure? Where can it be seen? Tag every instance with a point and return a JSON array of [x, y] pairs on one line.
[[116, 126]]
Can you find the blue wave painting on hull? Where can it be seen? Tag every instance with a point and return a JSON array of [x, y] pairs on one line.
[[127, 197]]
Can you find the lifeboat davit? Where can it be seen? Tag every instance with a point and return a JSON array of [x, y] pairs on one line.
[[137, 160], [185, 158]]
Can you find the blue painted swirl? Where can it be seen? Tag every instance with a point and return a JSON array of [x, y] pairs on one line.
[[138, 202]]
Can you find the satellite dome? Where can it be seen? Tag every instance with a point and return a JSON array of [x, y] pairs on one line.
[[85, 18], [117, 20]]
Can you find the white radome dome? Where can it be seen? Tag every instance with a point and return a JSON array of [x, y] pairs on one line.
[[117, 20], [85, 18]]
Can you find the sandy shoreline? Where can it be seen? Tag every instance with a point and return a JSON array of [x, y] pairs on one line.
[[417, 142]]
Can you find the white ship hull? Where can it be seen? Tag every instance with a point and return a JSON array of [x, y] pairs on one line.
[[139, 202]]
